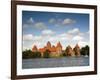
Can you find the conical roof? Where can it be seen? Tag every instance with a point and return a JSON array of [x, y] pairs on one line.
[[59, 44], [34, 48], [48, 44], [53, 49], [77, 46], [69, 47]]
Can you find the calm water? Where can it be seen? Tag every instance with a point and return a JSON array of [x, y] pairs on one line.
[[55, 62]]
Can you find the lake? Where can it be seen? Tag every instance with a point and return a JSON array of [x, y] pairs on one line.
[[55, 62]]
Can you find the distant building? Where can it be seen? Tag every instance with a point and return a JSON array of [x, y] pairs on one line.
[[53, 49]]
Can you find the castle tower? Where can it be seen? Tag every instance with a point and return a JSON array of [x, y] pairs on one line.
[[69, 51], [59, 48], [48, 45], [77, 50], [34, 49], [53, 49]]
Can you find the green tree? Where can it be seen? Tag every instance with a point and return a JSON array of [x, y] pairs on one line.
[[63, 54], [29, 54], [46, 54], [85, 50], [36, 55], [26, 54]]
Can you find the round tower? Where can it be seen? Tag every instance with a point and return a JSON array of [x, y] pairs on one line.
[[77, 50], [59, 48], [34, 49]]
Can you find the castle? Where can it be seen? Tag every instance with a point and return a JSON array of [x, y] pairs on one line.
[[57, 50], [53, 49]]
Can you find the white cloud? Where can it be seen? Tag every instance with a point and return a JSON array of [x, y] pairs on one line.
[[37, 37], [28, 37], [40, 25], [25, 25], [37, 25], [74, 31], [67, 35], [61, 22], [77, 38], [30, 21], [83, 43], [63, 35], [81, 34], [52, 20], [53, 40], [47, 32], [68, 21]]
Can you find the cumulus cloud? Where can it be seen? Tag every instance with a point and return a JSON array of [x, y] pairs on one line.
[[83, 43], [61, 22], [65, 36], [40, 25], [74, 31], [68, 21], [30, 21], [47, 32], [52, 21], [77, 38], [37, 25], [26, 25], [37, 38], [28, 37]]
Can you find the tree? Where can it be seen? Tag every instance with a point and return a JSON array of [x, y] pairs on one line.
[[63, 54], [85, 50], [26, 54], [36, 55], [29, 54], [69, 51], [46, 54]]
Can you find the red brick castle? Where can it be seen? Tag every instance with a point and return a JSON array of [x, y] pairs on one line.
[[57, 50]]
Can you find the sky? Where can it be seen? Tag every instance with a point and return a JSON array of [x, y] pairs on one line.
[[41, 27]]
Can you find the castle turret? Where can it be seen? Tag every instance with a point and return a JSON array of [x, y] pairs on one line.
[[48, 45], [34, 49], [53, 49], [77, 50], [59, 45], [59, 48], [69, 51]]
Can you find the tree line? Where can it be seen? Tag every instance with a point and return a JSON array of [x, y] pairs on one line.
[[27, 54]]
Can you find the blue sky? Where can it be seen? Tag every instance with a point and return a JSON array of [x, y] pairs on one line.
[[68, 28]]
